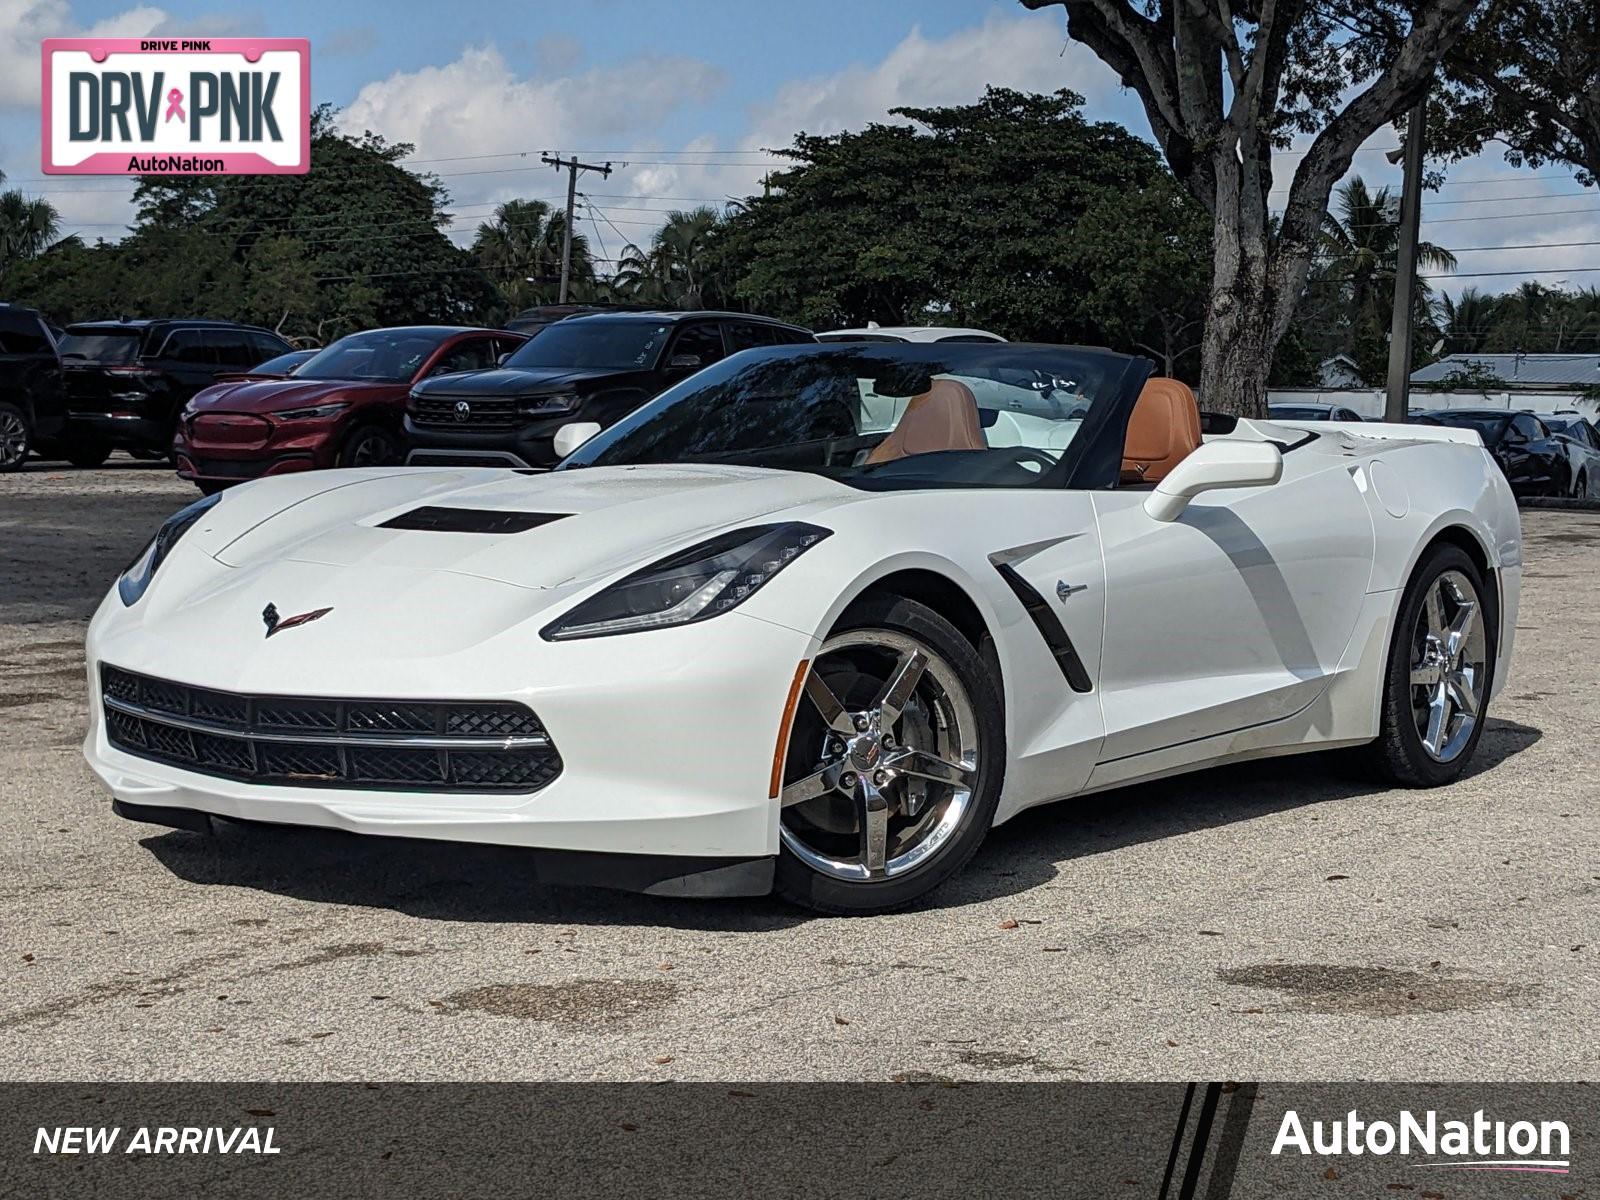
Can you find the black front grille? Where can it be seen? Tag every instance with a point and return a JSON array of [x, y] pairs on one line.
[[444, 412], [407, 745]]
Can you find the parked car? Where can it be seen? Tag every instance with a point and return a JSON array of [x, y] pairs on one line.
[[593, 369], [1535, 462], [343, 407], [895, 636], [909, 333], [32, 415], [1585, 446], [278, 367], [127, 381], [1312, 412]]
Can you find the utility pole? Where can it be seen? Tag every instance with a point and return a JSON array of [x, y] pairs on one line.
[[1405, 276], [572, 166]]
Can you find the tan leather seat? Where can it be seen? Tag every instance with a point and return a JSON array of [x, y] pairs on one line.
[[1163, 430], [945, 417]]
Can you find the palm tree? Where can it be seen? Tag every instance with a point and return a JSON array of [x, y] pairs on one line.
[[520, 249], [1359, 256], [27, 227], [1465, 321], [674, 268]]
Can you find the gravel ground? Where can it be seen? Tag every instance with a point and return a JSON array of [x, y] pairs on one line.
[[1275, 921]]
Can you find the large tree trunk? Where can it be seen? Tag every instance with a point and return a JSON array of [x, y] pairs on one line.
[[1235, 355]]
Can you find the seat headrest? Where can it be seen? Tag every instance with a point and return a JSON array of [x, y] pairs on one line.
[[1163, 430], [945, 417]]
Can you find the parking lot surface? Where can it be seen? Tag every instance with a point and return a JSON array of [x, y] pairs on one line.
[[1281, 920]]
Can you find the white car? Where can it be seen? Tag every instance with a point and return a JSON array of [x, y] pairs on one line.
[[815, 619], [873, 332]]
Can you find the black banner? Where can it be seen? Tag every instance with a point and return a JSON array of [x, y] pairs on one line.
[[1151, 1141]]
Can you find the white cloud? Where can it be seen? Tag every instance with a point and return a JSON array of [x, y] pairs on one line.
[[25, 23]]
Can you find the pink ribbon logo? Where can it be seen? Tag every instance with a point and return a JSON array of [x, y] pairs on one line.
[[175, 105]]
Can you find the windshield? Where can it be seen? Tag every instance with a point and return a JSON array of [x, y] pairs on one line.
[[380, 356], [283, 364], [1489, 425], [600, 342], [110, 349], [1286, 412], [874, 415]]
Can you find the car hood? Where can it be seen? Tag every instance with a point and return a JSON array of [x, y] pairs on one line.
[[274, 395], [591, 522], [512, 381]]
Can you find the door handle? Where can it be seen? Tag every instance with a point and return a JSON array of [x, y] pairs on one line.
[[1065, 589]]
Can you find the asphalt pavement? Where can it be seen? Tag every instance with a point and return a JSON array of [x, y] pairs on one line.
[[1276, 921]]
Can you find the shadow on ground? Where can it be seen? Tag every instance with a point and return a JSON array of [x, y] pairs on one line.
[[457, 882]]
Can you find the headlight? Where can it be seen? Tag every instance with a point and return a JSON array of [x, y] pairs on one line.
[[310, 414], [697, 583], [557, 402], [137, 577]]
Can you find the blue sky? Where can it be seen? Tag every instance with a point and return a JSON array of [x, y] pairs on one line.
[[688, 93]]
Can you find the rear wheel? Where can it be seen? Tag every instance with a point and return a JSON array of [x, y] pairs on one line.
[[1440, 670], [895, 763], [16, 437], [370, 446]]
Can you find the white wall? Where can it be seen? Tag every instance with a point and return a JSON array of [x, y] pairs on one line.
[[1369, 402]]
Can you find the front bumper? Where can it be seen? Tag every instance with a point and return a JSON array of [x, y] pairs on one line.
[[666, 738], [252, 446], [530, 444], [653, 874]]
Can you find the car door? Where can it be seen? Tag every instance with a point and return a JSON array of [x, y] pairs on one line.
[[1235, 614]]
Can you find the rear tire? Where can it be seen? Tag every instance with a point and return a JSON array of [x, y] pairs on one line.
[[949, 723], [1439, 674], [16, 437]]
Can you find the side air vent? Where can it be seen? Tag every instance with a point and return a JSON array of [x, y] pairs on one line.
[[470, 520], [1049, 627]]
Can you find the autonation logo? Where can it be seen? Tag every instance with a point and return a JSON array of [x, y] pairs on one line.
[[1480, 1144]]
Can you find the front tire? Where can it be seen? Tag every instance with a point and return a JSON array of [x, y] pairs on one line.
[[895, 763], [370, 446], [16, 437], [1580, 485], [1439, 675], [86, 454]]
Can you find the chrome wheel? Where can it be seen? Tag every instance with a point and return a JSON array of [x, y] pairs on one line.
[[1448, 661], [883, 758], [13, 438]]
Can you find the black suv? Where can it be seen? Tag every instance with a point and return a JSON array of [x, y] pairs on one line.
[[591, 367], [31, 412], [127, 381]]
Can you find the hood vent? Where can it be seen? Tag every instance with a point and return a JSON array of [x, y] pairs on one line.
[[470, 520]]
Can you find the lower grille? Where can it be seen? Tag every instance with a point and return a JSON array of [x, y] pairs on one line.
[[403, 745]]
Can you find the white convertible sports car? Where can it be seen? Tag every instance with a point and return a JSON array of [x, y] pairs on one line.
[[814, 619]]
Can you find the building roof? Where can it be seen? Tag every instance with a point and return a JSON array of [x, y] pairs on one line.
[[1520, 370]]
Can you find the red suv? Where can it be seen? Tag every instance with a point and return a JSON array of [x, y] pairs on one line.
[[341, 408]]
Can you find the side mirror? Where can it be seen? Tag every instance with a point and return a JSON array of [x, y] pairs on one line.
[[572, 435], [685, 361], [1221, 464]]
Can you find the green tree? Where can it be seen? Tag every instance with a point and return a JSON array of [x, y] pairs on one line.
[[1465, 320], [677, 267], [1226, 86], [1015, 214], [520, 250], [1528, 76], [358, 241], [1359, 257], [27, 227]]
